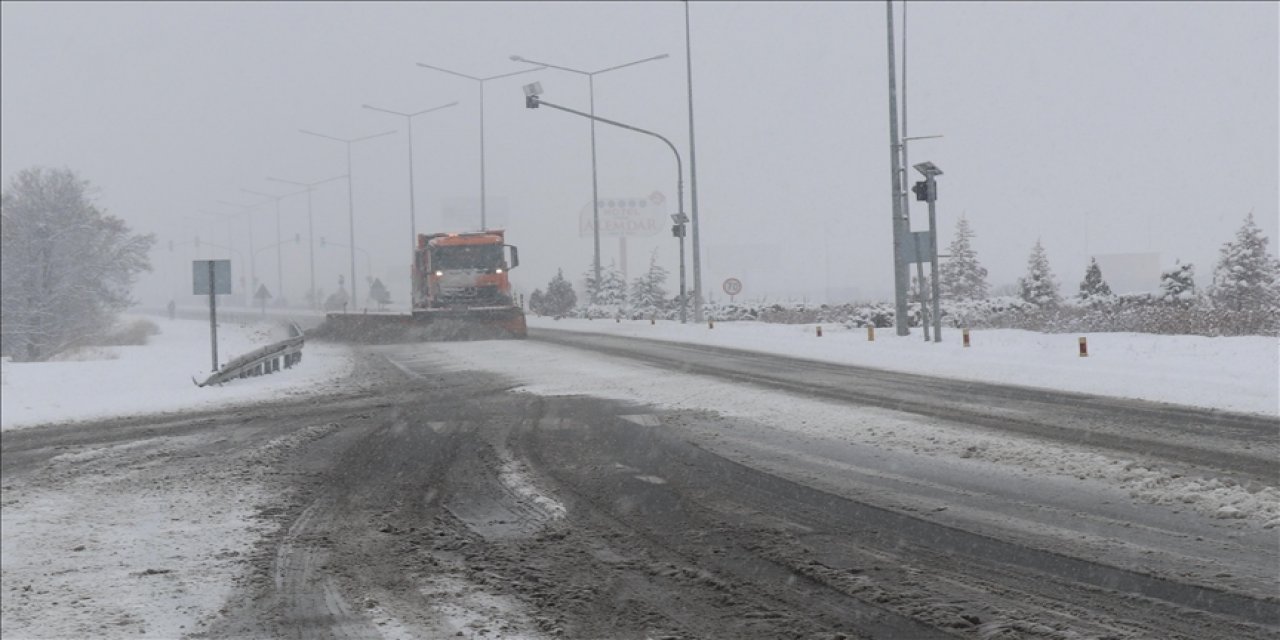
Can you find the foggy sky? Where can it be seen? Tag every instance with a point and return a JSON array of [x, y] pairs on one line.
[[1096, 127]]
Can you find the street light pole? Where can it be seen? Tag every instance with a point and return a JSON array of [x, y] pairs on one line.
[[280, 297], [483, 208], [595, 192], [351, 199], [408, 117], [532, 101], [311, 229], [693, 178], [901, 273], [244, 208]]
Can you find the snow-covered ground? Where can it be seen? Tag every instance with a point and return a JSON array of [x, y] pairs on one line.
[[1234, 374], [119, 381]]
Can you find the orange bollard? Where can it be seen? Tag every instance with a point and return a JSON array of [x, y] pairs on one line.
[[871, 333], [819, 331], [1084, 347], [965, 333]]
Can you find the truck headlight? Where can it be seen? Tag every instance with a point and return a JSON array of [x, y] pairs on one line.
[[439, 273]]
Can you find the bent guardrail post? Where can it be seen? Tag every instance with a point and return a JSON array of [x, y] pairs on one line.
[[262, 360]]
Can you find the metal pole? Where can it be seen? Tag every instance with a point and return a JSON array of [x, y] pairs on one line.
[[213, 318], [933, 231], [413, 220], [351, 221], [901, 272], [595, 192], [311, 249], [924, 305], [693, 178], [483, 224]]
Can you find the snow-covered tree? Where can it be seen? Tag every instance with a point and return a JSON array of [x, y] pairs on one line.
[[613, 288], [1178, 284], [591, 286], [961, 277], [648, 292], [1038, 286], [378, 294], [560, 298], [535, 301], [66, 267], [1247, 276], [1093, 287]]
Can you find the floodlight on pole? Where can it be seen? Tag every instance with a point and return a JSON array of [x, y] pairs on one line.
[[591, 87], [480, 81], [351, 199]]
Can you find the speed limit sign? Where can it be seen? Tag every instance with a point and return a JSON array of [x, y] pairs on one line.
[[733, 286]]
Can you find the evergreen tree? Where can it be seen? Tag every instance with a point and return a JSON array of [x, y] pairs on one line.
[[1178, 284], [536, 301], [590, 286], [1038, 286], [961, 277], [560, 298], [648, 293], [1246, 276], [379, 294], [613, 289], [1093, 286]]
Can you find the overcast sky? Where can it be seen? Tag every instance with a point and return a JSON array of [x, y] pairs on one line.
[[1099, 128]]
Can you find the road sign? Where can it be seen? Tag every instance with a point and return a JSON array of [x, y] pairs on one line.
[[221, 277], [733, 286], [262, 295]]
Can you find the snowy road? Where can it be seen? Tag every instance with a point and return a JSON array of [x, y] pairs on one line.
[[598, 487]]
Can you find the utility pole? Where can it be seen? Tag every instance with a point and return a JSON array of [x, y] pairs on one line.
[[693, 179], [901, 274]]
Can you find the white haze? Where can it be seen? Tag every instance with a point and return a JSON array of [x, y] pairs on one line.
[[1097, 127]]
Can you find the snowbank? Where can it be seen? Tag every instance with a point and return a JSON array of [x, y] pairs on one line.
[[108, 382], [1230, 373]]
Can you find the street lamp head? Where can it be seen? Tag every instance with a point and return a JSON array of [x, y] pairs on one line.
[[928, 169], [515, 58], [533, 89]]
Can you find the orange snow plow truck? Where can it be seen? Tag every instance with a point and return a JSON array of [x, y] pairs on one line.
[[461, 291]]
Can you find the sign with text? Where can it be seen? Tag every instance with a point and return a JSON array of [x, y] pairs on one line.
[[733, 286], [621, 217], [221, 277]]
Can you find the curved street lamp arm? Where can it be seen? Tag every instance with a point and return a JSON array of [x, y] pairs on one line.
[[679, 164], [376, 135], [513, 73], [312, 133], [443, 106]]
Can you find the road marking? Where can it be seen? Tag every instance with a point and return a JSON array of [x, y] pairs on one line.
[[643, 419]]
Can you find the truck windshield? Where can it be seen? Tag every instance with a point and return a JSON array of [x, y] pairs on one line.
[[487, 256]]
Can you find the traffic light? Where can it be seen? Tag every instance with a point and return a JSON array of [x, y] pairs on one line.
[[921, 189], [677, 231]]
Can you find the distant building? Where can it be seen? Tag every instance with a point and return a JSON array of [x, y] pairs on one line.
[[1126, 272]]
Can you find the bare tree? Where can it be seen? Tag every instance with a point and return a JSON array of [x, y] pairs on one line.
[[66, 267]]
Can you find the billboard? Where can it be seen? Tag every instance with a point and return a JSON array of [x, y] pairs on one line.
[[636, 216]]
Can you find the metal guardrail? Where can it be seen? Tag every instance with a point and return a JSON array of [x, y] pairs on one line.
[[261, 361]]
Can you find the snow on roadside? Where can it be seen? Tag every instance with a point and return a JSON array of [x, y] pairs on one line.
[[553, 371], [156, 377], [115, 542], [1229, 373]]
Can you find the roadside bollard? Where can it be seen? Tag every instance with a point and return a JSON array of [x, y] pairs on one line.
[[965, 333], [653, 319], [617, 319], [819, 331], [1084, 347], [711, 324], [871, 333]]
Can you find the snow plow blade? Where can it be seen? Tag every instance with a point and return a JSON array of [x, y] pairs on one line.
[[435, 325]]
